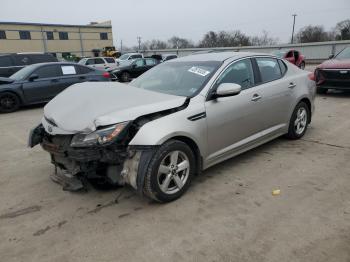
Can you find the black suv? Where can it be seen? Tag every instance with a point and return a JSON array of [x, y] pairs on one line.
[[11, 63]]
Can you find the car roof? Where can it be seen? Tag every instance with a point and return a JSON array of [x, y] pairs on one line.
[[53, 63], [216, 56]]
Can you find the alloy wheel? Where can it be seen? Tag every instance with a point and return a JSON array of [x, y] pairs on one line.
[[173, 172], [300, 121]]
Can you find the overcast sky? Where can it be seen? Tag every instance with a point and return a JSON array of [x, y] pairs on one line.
[[191, 19]]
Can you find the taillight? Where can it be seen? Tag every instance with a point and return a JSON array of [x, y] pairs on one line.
[[312, 76], [106, 75]]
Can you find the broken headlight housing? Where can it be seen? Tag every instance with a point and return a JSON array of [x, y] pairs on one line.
[[99, 137]]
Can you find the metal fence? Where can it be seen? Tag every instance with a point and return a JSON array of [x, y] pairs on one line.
[[314, 52]]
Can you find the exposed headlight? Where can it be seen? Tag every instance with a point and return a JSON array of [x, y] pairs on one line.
[[98, 137]]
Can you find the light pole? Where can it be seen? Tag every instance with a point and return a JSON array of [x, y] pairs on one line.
[[294, 15], [139, 40]]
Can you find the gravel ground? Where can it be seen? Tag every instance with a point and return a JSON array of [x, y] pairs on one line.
[[229, 213]]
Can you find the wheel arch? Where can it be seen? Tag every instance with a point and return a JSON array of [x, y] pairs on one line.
[[13, 92], [194, 147]]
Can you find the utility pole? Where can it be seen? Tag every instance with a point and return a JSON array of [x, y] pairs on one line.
[[121, 45], [294, 15], [139, 40]]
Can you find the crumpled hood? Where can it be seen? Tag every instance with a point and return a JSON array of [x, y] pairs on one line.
[[335, 64], [83, 107]]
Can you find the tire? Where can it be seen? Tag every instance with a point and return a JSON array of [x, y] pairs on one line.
[[302, 65], [9, 102], [125, 77], [321, 91], [298, 129], [170, 183]]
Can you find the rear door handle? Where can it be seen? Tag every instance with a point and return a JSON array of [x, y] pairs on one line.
[[292, 85], [256, 97], [54, 80], [82, 77]]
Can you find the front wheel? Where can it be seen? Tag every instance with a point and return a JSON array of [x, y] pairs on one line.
[[9, 102], [299, 121], [170, 172], [125, 77]]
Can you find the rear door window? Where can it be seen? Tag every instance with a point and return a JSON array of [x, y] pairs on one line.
[[48, 71], [82, 70], [110, 60], [5, 61], [22, 60], [98, 61], [269, 69], [90, 62], [283, 67], [150, 62], [139, 63]]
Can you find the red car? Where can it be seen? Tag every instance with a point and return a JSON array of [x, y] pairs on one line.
[[293, 56], [334, 73]]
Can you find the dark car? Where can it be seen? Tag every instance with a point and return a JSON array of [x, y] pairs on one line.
[[132, 69], [39, 83], [11, 63], [334, 73], [292, 56]]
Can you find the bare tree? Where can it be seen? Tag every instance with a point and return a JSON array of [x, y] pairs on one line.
[[264, 39], [224, 39], [313, 34], [178, 42], [342, 30]]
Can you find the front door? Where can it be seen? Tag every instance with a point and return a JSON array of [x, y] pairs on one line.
[[233, 120]]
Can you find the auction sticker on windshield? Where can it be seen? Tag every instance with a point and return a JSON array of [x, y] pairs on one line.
[[198, 71]]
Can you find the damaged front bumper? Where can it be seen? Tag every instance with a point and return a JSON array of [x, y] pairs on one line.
[[116, 164]]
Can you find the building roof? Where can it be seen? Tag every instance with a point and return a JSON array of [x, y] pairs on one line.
[[102, 25]]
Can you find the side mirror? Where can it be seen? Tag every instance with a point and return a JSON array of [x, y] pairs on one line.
[[33, 77], [331, 56], [227, 89]]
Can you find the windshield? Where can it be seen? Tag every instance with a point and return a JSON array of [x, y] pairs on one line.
[[345, 54], [124, 57], [279, 53], [23, 73], [177, 78]]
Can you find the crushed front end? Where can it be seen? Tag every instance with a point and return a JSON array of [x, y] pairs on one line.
[[102, 156]]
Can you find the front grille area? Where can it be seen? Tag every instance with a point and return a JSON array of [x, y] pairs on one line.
[[337, 75]]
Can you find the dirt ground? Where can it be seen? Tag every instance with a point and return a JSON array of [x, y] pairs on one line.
[[229, 213]]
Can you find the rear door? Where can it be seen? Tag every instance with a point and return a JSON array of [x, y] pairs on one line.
[[6, 66], [139, 67], [275, 90], [70, 76], [46, 86]]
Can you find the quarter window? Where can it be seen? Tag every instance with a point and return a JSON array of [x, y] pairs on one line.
[[82, 69], [269, 69], [48, 71], [63, 35], [24, 35], [2, 34], [240, 73]]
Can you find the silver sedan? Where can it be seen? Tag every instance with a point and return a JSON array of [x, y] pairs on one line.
[[174, 121]]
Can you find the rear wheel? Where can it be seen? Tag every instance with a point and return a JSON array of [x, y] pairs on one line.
[[125, 77], [321, 90], [9, 102], [299, 121], [170, 172]]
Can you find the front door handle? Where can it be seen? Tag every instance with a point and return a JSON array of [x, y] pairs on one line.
[[256, 97], [292, 85], [54, 80]]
